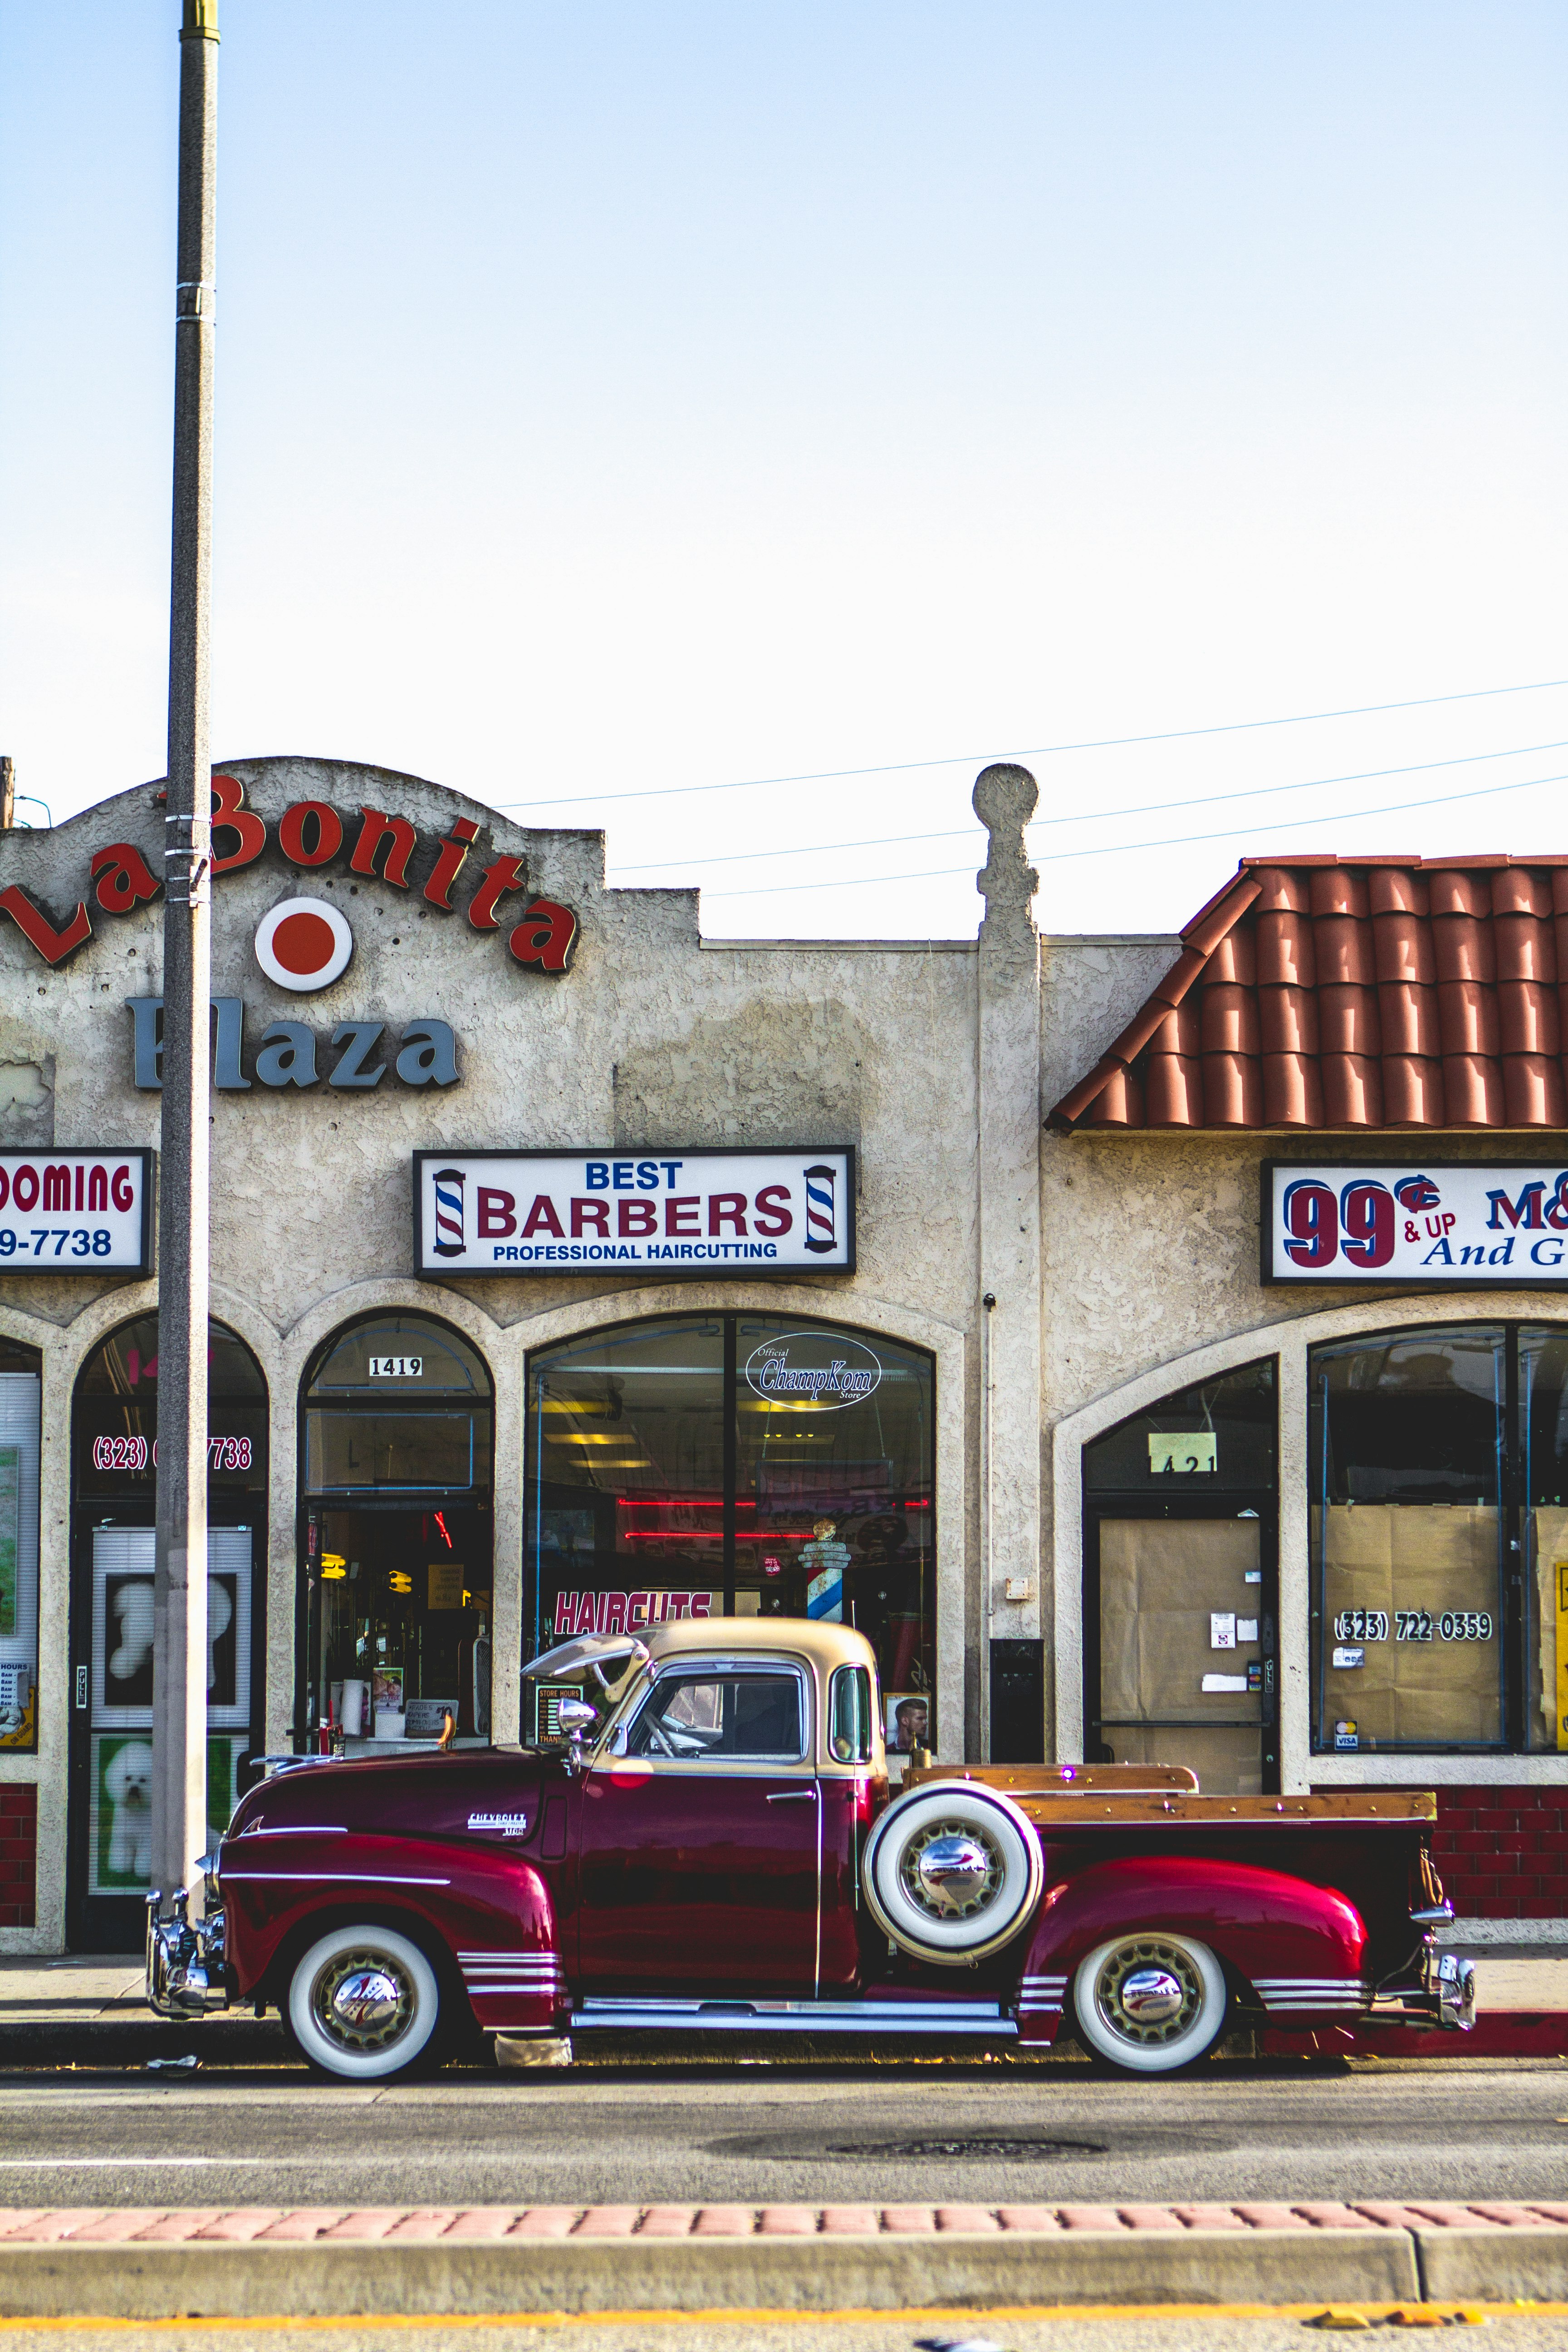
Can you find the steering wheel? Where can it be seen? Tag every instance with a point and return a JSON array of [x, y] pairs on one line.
[[658, 1743]]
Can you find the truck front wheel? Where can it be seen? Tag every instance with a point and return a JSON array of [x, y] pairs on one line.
[[1150, 2004], [363, 2004]]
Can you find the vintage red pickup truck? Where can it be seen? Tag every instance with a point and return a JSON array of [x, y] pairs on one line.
[[710, 1845]]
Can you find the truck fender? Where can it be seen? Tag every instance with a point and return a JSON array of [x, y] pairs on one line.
[[485, 1917], [1289, 1948]]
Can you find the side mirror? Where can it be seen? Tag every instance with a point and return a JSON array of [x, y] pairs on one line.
[[576, 1719]]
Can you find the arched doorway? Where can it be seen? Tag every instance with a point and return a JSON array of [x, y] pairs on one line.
[[398, 1537], [114, 1447], [736, 1464], [1181, 1585]]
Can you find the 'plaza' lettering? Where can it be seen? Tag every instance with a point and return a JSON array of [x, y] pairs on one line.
[[428, 1051]]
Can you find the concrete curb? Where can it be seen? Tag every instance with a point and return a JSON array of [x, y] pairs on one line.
[[141, 2280], [1493, 2265]]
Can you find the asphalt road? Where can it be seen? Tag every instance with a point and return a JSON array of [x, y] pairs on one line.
[[734, 2130]]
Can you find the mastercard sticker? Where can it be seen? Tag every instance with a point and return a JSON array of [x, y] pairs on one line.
[[304, 944]]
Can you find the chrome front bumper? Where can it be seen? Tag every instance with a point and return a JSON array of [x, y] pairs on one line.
[[1444, 1996], [185, 1960]]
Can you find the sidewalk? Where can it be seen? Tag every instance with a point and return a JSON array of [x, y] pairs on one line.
[[262, 2260]]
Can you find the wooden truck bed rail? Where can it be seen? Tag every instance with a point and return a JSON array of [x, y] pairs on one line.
[[1104, 1793]]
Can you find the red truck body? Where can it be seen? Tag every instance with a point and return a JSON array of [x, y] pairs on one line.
[[678, 1877]]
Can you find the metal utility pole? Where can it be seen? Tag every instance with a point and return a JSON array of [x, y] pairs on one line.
[[180, 1590]]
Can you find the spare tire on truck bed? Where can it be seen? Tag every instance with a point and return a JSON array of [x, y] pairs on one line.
[[952, 1871]]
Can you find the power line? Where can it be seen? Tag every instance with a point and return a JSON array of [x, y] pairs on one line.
[[1098, 816], [1175, 841], [1040, 750]]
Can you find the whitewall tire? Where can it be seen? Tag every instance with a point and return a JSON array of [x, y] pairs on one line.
[[1150, 2004], [952, 1873], [363, 2004]]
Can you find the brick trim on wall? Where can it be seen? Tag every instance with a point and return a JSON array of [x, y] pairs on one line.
[[18, 1854]]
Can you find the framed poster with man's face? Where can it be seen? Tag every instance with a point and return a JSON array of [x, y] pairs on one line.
[[908, 1720]]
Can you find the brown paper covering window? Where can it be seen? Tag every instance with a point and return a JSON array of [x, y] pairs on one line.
[[1393, 1556], [1159, 1580]]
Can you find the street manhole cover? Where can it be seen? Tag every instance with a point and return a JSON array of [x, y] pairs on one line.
[[988, 2146]]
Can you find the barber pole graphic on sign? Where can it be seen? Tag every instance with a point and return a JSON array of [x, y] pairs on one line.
[[447, 1190], [674, 1211], [821, 1218]]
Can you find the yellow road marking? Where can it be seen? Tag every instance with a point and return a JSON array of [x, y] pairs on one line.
[[1524, 2307]]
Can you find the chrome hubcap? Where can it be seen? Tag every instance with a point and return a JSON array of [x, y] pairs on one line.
[[363, 2001], [1149, 1991], [951, 1870]]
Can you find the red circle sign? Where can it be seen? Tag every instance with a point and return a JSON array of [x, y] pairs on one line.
[[304, 944]]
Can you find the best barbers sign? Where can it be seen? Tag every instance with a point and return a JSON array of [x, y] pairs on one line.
[[672, 1213], [1418, 1222]]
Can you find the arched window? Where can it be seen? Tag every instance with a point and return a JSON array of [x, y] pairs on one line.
[[735, 1463], [114, 1457], [396, 1493]]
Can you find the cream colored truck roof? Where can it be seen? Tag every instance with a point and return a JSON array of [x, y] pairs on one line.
[[819, 1647]]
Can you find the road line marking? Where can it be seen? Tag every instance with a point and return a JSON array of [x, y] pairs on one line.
[[762, 2315]]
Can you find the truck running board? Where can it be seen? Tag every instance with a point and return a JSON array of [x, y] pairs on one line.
[[944, 2017]]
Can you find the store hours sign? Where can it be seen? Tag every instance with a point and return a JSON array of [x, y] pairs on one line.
[[673, 1213], [1422, 1224]]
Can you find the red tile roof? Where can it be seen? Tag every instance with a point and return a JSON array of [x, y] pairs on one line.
[[1352, 992]]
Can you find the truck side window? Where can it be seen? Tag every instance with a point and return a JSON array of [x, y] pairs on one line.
[[850, 1714], [753, 1717]]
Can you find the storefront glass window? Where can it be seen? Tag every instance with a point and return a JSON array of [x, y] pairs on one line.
[[1543, 1407], [399, 1540], [736, 1464], [1408, 1444], [19, 1395]]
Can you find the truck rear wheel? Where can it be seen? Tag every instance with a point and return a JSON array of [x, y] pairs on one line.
[[952, 1871], [1150, 2004], [363, 2004]]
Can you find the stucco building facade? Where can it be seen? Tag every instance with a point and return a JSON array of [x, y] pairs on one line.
[[570, 1268]]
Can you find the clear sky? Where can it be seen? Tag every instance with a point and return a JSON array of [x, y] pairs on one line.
[[614, 397]]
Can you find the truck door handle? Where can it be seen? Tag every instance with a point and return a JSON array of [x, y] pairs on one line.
[[791, 1796]]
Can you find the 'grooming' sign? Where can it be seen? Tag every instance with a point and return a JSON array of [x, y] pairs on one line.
[[673, 1213]]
